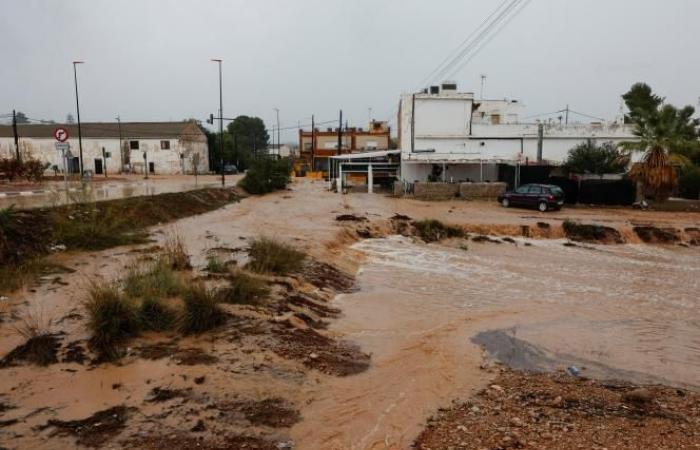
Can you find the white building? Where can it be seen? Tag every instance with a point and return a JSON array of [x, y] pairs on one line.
[[162, 147], [468, 139]]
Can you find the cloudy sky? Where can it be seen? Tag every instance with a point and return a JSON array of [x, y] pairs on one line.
[[150, 59]]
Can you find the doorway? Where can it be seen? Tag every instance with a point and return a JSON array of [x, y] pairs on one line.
[[98, 166], [151, 167]]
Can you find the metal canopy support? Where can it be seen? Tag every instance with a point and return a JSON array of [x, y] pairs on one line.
[[370, 179]]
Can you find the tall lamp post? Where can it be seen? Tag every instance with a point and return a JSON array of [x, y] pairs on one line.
[[221, 122], [277, 110], [77, 107]]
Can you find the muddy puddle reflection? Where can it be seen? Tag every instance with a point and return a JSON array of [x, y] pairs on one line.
[[629, 311]]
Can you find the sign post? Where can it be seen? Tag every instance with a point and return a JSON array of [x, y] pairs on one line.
[[61, 134]]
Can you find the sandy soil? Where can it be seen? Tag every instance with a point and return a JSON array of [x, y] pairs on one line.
[[264, 379]]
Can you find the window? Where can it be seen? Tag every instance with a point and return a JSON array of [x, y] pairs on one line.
[[134, 145], [536, 190], [307, 145], [557, 191], [165, 145], [523, 189]]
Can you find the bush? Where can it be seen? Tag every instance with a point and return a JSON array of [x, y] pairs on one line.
[[589, 157], [243, 288], [41, 345], [201, 312], [112, 319], [86, 227], [155, 316], [432, 230], [266, 175], [29, 168], [215, 265], [270, 256], [175, 253], [689, 183], [155, 281]]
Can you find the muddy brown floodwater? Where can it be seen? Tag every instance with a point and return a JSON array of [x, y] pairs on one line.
[[423, 311]]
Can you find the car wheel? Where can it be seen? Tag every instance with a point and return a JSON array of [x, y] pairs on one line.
[[542, 206], [505, 203]]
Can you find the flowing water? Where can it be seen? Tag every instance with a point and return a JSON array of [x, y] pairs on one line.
[[628, 311]]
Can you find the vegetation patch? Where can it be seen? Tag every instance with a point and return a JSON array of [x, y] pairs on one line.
[[152, 281], [243, 288], [266, 175], [591, 233], [215, 265], [14, 277], [271, 412], [269, 255], [159, 394], [156, 316], [201, 312], [112, 319], [431, 230], [175, 254]]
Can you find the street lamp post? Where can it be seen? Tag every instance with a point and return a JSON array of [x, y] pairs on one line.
[[77, 107], [277, 110], [221, 122]]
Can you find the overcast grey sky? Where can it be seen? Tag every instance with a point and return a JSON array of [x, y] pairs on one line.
[[149, 59]]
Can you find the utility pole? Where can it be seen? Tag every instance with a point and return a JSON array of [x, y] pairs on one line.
[[369, 110], [221, 122], [121, 150], [14, 131], [340, 132], [77, 107], [566, 121], [313, 141]]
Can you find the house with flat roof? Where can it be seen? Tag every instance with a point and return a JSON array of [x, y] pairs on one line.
[[159, 147]]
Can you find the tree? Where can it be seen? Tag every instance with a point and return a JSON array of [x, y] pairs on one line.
[[664, 134], [70, 118], [588, 157], [21, 117]]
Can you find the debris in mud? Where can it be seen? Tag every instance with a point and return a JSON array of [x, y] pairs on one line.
[[271, 412], [318, 308], [40, 350], [591, 233], [654, 235], [74, 353], [175, 441], [320, 352], [400, 217], [556, 411], [324, 275], [183, 357], [350, 218], [159, 394], [484, 238], [543, 225], [509, 240], [431, 230], [194, 357], [95, 430]]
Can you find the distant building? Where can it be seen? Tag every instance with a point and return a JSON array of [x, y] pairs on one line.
[[282, 150], [168, 147], [448, 132], [317, 146]]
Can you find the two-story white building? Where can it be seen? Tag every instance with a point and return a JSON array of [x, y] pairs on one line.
[[159, 147], [467, 139]]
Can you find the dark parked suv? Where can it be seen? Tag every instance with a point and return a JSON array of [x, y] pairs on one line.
[[541, 196]]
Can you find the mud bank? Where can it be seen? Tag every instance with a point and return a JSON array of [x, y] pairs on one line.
[[558, 411]]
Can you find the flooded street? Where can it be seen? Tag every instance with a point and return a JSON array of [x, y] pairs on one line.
[[627, 312]]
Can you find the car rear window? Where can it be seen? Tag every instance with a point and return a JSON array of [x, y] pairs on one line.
[[556, 190]]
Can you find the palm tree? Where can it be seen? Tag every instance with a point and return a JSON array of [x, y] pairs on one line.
[[664, 134]]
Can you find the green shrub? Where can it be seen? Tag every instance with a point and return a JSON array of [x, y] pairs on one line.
[[155, 316], [243, 288], [201, 312], [151, 281], [112, 319], [175, 253], [689, 183], [86, 227], [215, 265], [432, 230], [268, 255], [266, 175]]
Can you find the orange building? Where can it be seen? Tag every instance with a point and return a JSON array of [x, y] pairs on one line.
[[315, 147]]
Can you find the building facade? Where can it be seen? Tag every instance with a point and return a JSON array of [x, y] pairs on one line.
[[317, 146], [449, 133], [159, 147]]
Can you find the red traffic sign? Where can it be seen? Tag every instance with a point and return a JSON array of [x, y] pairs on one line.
[[61, 134]]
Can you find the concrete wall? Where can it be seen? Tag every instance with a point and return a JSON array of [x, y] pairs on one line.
[[166, 161], [453, 172], [435, 191], [487, 191]]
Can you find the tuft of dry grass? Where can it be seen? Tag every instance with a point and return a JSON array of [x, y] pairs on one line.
[[215, 265], [268, 255], [155, 315], [431, 230], [175, 252], [112, 319], [201, 312], [41, 345], [243, 288], [156, 280]]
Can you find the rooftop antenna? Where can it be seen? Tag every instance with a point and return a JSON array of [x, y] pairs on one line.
[[483, 81]]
